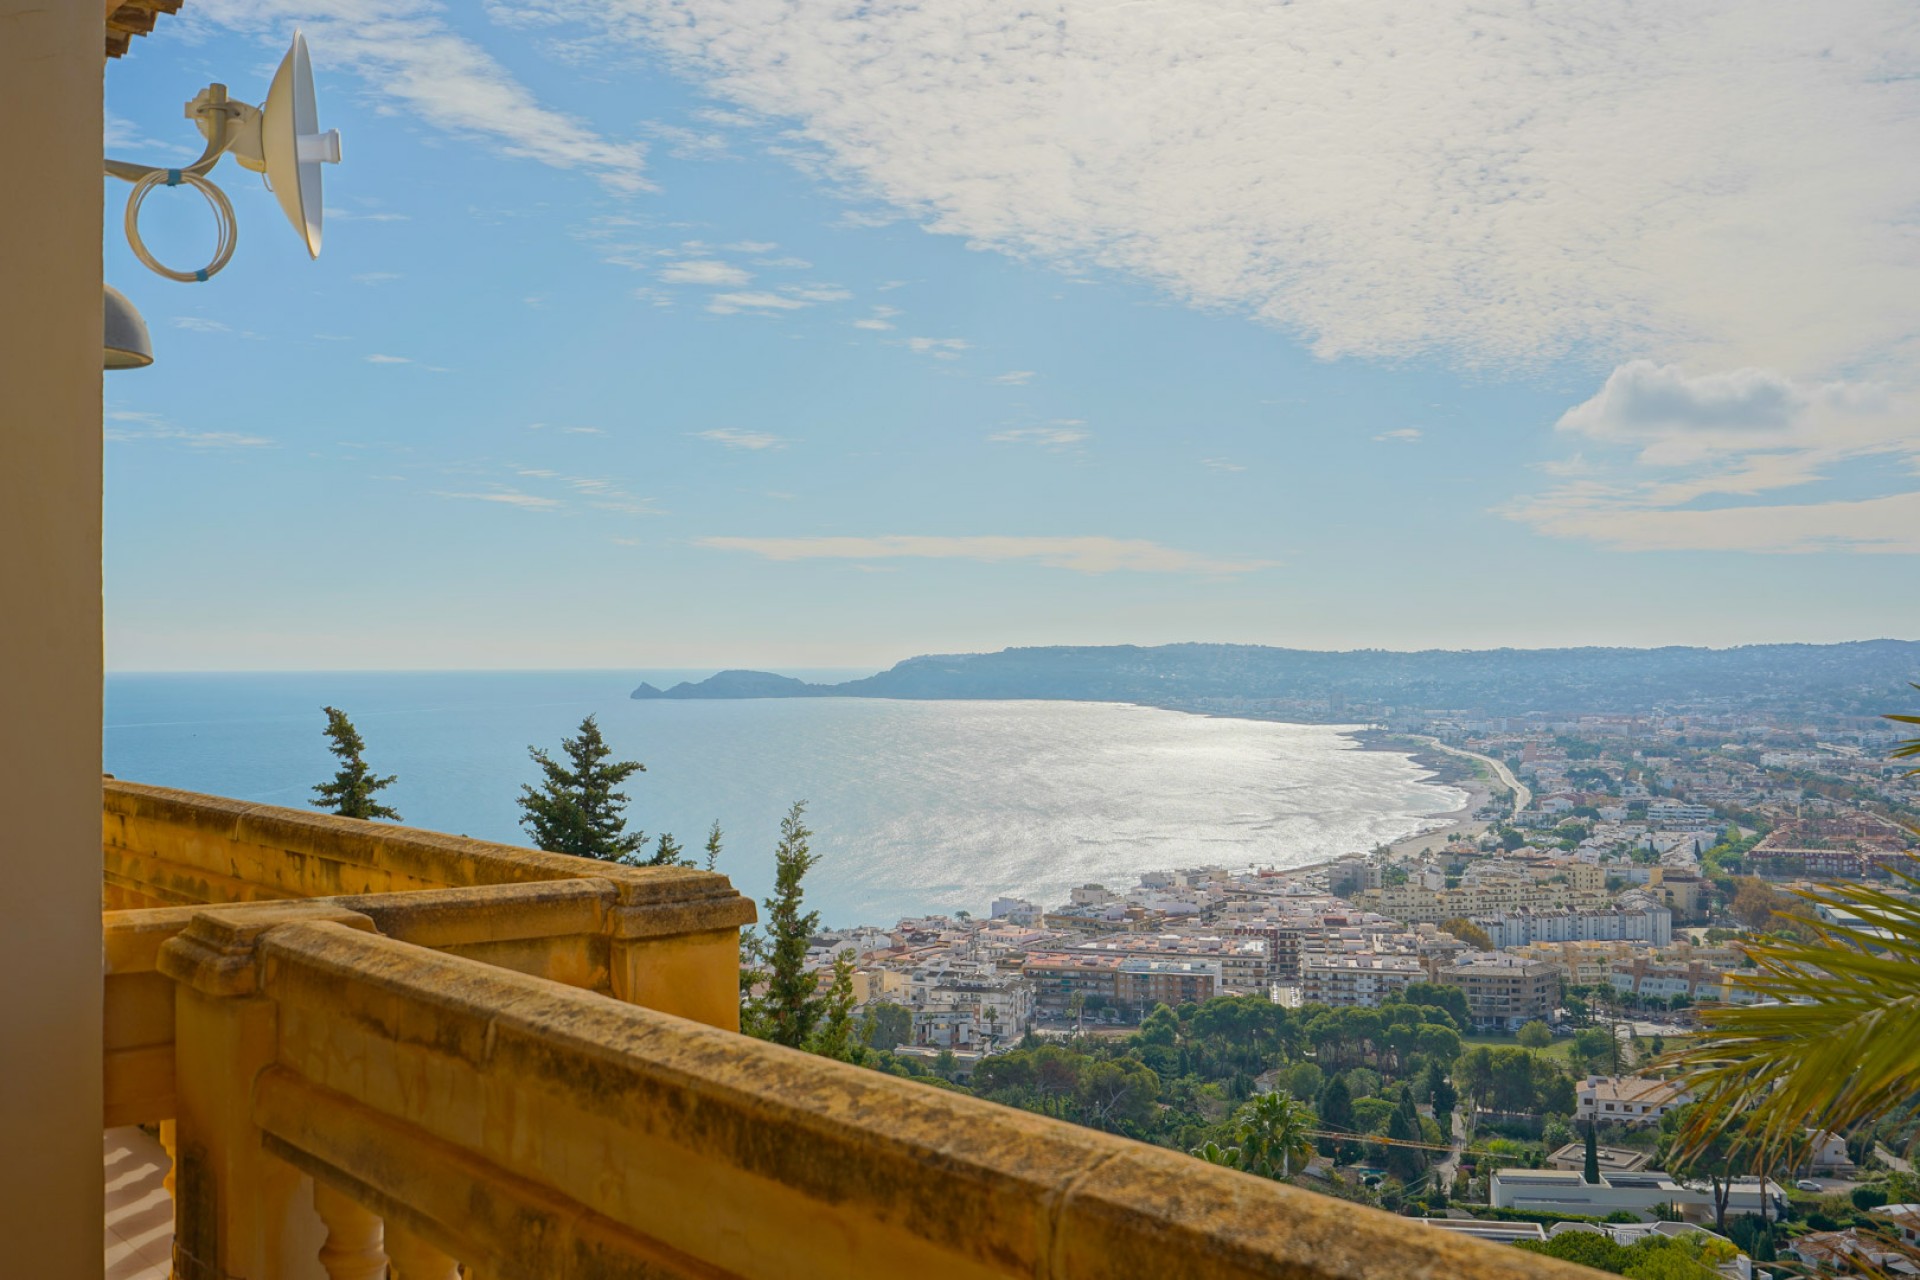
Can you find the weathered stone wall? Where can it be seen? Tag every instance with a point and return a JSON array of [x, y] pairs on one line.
[[530, 1130]]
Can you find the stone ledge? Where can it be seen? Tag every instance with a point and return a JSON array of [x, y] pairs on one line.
[[744, 1155], [193, 838]]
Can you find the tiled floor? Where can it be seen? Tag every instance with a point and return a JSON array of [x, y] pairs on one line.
[[139, 1210]]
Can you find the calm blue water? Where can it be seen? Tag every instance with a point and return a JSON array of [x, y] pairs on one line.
[[917, 806]]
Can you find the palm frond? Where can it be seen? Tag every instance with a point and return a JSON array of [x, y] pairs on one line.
[[1910, 747], [1834, 1038]]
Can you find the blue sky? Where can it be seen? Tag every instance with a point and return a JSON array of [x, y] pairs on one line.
[[810, 334]]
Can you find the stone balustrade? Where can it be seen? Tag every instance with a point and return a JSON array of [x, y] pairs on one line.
[[419, 1073]]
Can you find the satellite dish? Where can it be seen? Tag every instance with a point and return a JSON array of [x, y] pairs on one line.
[[293, 146], [281, 139]]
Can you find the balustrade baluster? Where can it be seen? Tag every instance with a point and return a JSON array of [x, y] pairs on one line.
[[355, 1236], [415, 1259], [169, 1144]]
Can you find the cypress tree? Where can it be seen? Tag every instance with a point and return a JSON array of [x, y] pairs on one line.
[[351, 792], [1592, 1172], [576, 809], [792, 1005], [1335, 1110]]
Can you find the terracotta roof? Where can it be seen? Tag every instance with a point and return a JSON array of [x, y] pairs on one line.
[[134, 18]]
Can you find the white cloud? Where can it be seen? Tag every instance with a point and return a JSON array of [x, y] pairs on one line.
[[1221, 464], [356, 215], [726, 304], [788, 297], [1400, 435], [1014, 378], [144, 426], [380, 359], [938, 348], [734, 439], [1885, 525], [375, 277], [507, 498], [407, 54], [704, 271], [1082, 555], [816, 292], [879, 320], [1492, 181], [199, 324], [1702, 461], [783, 264], [753, 246], [1062, 433]]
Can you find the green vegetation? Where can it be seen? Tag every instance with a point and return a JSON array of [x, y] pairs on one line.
[[791, 1005], [577, 810], [1687, 1257], [351, 792], [1840, 1048]]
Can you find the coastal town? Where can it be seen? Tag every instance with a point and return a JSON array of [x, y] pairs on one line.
[[1481, 1006]]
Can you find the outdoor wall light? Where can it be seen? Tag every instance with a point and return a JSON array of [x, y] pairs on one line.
[[127, 344]]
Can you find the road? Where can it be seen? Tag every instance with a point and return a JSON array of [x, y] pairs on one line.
[[1522, 796]]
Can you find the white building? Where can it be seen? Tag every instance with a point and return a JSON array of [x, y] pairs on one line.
[[1362, 981], [1567, 1191], [1649, 923], [1634, 1100]]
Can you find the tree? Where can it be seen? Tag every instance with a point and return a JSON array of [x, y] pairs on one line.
[[713, 845], [1304, 1081], [1535, 1035], [1468, 932], [576, 810], [792, 1006], [351, 792], [1336, 1116], [833, 1036], [1591, 1172], [887, 1025], [1213, 1153], [1832, 1042], [1439, 996], [1405, 1162], [1273, 1132]]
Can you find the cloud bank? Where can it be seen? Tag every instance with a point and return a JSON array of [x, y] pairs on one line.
[[1493, 182]]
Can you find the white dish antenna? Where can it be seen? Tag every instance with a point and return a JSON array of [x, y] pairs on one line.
[[281, 139]]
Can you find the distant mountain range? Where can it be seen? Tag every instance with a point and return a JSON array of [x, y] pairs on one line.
[[1868, 677]]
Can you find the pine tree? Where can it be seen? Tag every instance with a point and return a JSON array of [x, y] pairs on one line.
[[576, 810], [834, 1036], [713, 845], [666, 853], [351, 792], [791, 1006]]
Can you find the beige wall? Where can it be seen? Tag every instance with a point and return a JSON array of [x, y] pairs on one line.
[[50, 238]]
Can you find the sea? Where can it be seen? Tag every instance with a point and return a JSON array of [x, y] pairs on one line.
[[916, 807]]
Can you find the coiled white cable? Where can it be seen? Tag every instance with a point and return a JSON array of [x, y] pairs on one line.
[[222, 213]]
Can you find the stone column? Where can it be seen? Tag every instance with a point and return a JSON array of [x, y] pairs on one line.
[[239, 1213], [51, 1198], [675, 945]]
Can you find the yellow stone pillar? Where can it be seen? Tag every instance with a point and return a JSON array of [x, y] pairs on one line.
[[51, 1190], [239, 1213], [675, 946]]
